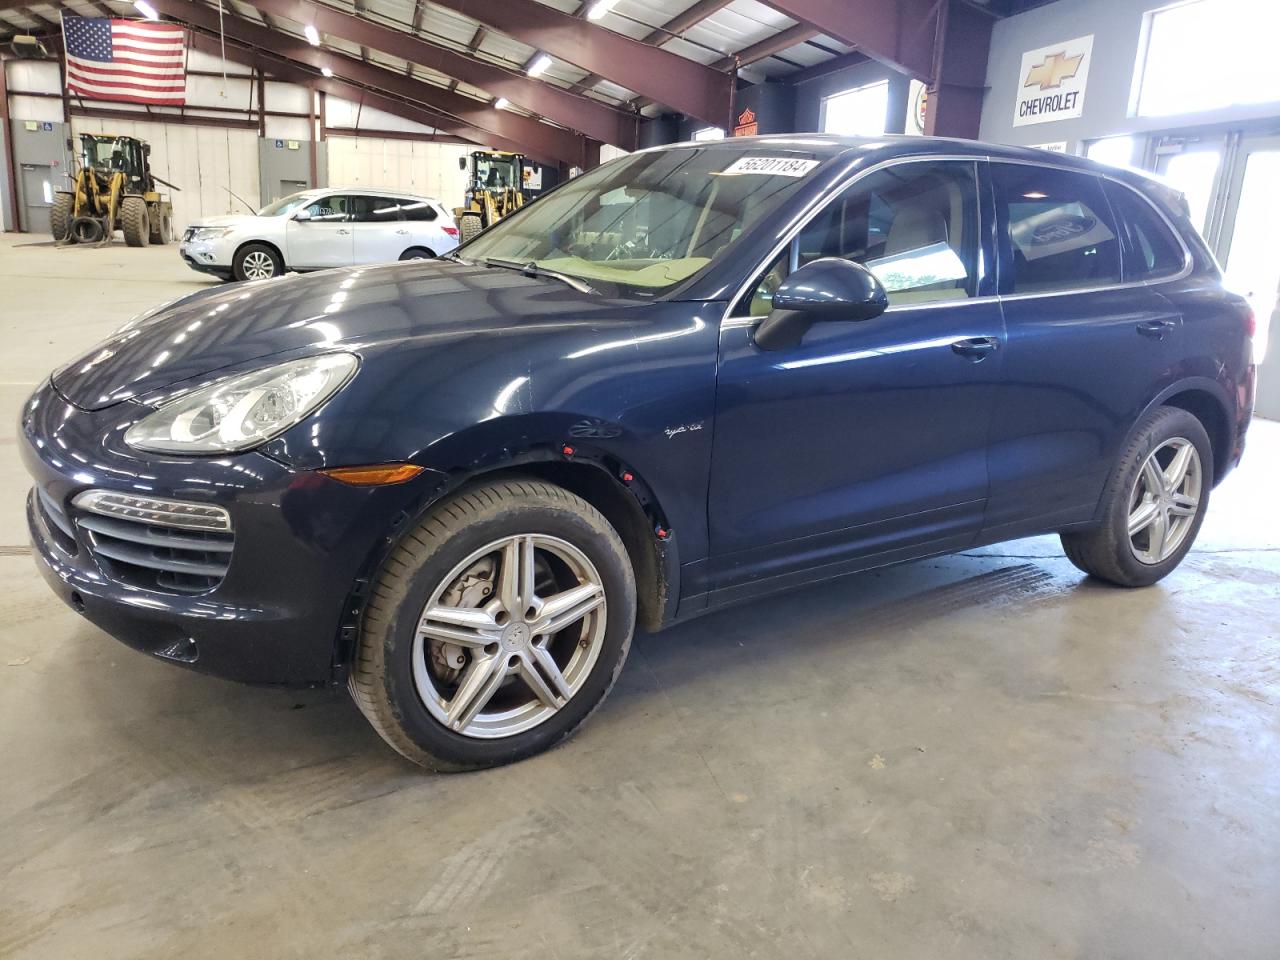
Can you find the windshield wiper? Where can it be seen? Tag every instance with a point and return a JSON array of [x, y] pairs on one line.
[[531, 269]]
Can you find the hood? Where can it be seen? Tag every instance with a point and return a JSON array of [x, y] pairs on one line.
[[226, 220], [414, 302]]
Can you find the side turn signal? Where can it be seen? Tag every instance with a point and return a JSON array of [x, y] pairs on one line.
[[375, 474]]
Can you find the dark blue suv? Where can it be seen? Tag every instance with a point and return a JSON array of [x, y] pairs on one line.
[[694, 375]]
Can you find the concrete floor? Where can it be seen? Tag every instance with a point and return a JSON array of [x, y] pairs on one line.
[[982, 756]]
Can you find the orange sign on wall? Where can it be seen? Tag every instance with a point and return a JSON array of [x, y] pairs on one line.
[[746, 125]]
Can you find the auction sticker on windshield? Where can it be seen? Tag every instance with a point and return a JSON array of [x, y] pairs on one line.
[[774, 166]]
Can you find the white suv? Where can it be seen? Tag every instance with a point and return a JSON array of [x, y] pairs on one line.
[[316, 229]]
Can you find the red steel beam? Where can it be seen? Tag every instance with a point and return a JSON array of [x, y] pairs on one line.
[[280, 69], [535, 137], [8, 149], [672, 80], [898, 33], [954, 107], [590, 117]]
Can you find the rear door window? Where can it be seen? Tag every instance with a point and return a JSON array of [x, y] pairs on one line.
[[375, 209], [1061, 234], [1151, 251]]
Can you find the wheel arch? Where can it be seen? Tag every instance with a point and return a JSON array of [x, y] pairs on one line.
[[255, 242], [1205, 400], [598, 478], [431, 254]]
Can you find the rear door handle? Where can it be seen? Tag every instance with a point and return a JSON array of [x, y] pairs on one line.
[[1155, 329], [343, 232], [402, 233], [976, 348]]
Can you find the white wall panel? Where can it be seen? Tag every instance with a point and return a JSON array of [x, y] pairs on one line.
[[287, 97], [35, 108], [416, 166], [345, 113], [209, 92], [199, 60], [203, 161], [288, 128], [33, 76]]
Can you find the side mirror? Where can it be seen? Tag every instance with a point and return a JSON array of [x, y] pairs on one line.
[[825, 289], [302, 216], [462, 163]]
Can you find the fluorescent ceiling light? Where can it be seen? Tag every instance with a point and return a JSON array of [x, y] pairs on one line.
[[501, 103], [146, 9], [313, 35], [326, 71], [600, 8], [538, 65]]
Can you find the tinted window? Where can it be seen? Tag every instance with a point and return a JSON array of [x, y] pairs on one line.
[[334, 209], [375, 209], [1150, 249], [417, 210], [914, 225], [1060, 227]]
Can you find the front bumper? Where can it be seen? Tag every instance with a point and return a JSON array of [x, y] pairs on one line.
[[206, 257], [302, 541]]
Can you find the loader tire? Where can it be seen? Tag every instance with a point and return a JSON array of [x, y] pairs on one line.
[[135, 221], [60, 216], [161, 227], [469, 227], [86, 230]]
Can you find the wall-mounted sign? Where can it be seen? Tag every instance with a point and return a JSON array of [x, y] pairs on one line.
[[1058, 146], [293, 144], [30, 125], [532, 177], [47, 126], [746, 125], [1052, 81], [279, 144]]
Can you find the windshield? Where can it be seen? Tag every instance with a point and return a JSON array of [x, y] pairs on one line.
[[105, 154], [496, 172], [284, 205], [648, 221]]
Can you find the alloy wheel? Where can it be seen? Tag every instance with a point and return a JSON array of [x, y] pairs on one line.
[[1165, 500], [509, 636], [258, 266]]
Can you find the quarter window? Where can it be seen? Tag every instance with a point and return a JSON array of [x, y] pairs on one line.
[[914, 225], [1060, 230], [1150, 250], [417, 210]]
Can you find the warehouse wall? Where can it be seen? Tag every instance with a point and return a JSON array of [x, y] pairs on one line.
[[1116, 26], [225, 153]]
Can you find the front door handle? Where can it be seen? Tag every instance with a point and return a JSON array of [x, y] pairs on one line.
[[976, 348], [1155, 329], [402, 233], [343, 232]]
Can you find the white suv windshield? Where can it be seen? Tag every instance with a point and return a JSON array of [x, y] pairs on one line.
[[286, 205], [649, 220]]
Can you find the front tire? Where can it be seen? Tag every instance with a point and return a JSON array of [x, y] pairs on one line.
[[469, 227], [135, 221], [496, 626], [60, 216], [256, 261], [1153, 504]]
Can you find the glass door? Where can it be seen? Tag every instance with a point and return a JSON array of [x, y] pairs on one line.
[[1193, 169], [1247, 248]]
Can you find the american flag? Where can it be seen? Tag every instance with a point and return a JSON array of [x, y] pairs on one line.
[[131, 60]]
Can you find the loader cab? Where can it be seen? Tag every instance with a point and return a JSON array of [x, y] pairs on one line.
[[108, 154]]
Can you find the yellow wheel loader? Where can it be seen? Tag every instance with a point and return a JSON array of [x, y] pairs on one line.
[[495, 189], [114, 188]]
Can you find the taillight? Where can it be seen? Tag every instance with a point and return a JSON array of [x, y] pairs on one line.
[[451, 231], [1250, 323]]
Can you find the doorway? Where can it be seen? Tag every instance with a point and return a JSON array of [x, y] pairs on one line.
[[1229, 182], [37, 196]]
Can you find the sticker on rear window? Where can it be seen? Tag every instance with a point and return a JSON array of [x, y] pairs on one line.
[[773, 166]]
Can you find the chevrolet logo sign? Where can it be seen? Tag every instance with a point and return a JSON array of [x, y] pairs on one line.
[[1049, 73]]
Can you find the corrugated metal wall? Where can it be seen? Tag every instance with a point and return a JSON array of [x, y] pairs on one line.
[[203, 161], [429, 169]]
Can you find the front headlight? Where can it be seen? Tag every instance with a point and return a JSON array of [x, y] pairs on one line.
[[210, 233], [244, 411]]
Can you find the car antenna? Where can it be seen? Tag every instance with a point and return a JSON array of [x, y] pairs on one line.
[[252, 210]]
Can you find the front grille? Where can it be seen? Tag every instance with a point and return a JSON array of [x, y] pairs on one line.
[[57, 526], [157, 544]]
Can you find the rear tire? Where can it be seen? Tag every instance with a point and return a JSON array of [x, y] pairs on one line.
[[60, 216], [417, 253], [161, 227], [256, 261], [469, 227], [411, 686], [135, 221], [1123, 549]]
